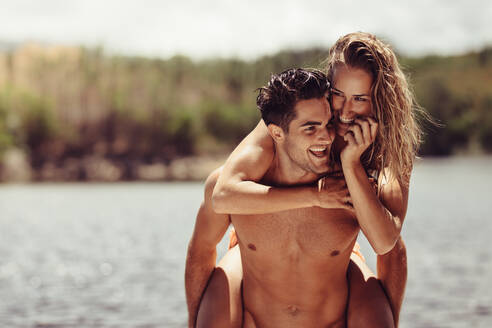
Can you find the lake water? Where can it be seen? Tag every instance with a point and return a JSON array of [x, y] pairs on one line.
[[95, 255]]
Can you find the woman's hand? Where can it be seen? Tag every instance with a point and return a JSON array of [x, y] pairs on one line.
[[333, 193], [360, 135]]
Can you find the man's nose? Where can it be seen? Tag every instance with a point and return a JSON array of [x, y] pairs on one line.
[[327, 135]]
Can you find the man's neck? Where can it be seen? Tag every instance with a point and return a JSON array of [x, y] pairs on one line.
[[284, 172]]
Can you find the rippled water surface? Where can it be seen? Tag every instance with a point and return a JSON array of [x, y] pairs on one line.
[[89, 255]]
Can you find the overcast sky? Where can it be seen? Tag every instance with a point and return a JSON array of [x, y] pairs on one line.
[[247, 28]]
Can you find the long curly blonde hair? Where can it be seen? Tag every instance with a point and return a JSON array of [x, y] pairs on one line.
[[394, 105]]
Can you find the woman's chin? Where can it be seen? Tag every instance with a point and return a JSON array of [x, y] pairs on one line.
[[342, 129]]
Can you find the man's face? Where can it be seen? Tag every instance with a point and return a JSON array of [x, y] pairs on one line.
[[311, 133]]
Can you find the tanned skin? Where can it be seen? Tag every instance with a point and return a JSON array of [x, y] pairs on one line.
[[251, 159], [293, 275]]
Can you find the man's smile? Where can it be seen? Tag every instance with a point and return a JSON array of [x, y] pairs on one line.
[[318, 151]]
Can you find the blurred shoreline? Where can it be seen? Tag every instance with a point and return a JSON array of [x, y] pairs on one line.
[[15, 168]]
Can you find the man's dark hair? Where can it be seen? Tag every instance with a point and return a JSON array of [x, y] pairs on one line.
[[277, 100]]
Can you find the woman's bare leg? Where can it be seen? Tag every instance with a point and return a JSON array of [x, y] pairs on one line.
[[376, 301], [221, 304], [368, 305]]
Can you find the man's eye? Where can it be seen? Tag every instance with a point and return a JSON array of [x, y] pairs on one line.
[[309, 129], [336, 93]]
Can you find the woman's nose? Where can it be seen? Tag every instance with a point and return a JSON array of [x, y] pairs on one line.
[[346, 110]]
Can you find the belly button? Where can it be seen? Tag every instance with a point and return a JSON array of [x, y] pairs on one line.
[[252, 247], [292, 310], [335, 253]]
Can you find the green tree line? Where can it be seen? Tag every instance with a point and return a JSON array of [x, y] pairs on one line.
[[146, 110]]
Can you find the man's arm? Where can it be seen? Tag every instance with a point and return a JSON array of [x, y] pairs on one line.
[[209, 229], [238, 190]]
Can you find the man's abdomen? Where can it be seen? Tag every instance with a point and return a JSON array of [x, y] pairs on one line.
[[294, 267], [296, 290], [295, 303]]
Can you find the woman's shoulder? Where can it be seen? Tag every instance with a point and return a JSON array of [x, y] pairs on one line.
[[257, 143]]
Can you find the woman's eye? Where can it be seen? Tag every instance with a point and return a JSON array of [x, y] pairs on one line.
[[360, 99]]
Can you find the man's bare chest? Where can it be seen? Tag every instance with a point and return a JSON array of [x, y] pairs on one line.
[[313, 230]]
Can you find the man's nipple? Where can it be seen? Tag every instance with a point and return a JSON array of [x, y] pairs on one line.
[[252, 247]]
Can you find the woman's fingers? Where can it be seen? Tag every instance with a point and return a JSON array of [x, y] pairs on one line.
[[357, 133], [374, 128], [349, 138], [366, 130]]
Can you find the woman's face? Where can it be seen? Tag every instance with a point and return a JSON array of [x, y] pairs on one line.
[[351, 96]]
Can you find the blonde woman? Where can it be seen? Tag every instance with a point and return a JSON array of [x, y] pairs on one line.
[[374, 149]]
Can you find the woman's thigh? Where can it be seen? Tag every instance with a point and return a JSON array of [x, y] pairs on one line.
[[221, 304], [368, 305]]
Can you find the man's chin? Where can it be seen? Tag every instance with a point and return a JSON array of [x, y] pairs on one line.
[[320, 164], [321, 169], [323, 172]]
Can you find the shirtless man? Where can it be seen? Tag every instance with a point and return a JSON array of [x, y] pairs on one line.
[[294, 262]]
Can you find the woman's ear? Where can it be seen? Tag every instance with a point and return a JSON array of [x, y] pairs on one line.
[[276, 132]]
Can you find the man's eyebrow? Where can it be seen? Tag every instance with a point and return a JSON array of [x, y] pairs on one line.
[[311, 123], [337, 89]]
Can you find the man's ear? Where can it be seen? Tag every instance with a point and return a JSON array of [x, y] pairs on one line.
[[276, 132]]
